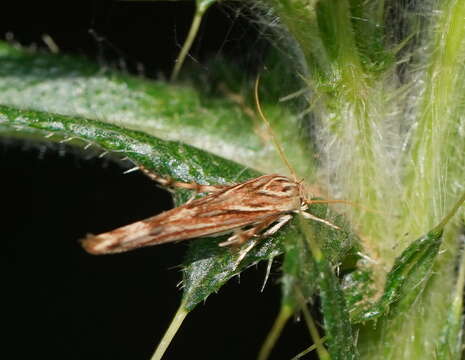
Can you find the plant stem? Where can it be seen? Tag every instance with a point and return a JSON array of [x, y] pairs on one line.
[[317, 339], [437, 120], [284, 314], [200, 8], [305, 352], [450, 341], [170, 333], [187, 44]]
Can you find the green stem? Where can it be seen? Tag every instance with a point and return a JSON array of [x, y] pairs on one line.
[[306, 351], [458, 296], [187, 44], [201, 7], [437, 120], [317, 339], [284, 314], [170, 332], [451, 213], [450, 341]]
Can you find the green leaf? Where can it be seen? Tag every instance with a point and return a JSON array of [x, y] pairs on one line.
[[298, 271], [358, 287], [337, 245], [336, 318], [170, 158], [209, 266], [341, 342], [71, 86], [407, 278], [303, 275]]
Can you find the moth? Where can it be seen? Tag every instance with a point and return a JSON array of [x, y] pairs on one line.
[[258, 207], [253, 209]]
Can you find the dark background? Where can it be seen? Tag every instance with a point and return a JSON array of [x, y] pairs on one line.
[[65, 304]]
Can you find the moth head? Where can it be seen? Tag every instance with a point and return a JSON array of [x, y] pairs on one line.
[[307, 192], [302, 189]]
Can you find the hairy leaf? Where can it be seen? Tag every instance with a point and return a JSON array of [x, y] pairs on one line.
[[71, 86], [337, 245], [341, 341], [407, 278], [170, 158], [210, 266]]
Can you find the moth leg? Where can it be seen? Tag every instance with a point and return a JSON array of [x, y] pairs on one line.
[[316, 218], [192, 198], [168, 182], [244, 252], [281, 221], [241, 237]]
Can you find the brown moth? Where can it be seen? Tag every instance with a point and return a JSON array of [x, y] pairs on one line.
[[257, 207]]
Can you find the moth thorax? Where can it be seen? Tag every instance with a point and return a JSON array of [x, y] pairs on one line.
[[284, 186]]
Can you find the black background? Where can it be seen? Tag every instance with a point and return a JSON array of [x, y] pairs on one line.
[[63, 303]]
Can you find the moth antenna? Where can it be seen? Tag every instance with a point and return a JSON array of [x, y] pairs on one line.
[[346, 202], [270, 129], [286, 161]]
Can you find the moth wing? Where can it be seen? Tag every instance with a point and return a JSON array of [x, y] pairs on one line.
[[182, 223]]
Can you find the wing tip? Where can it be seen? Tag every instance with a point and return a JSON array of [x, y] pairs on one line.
[[98, 245], [91, 244]]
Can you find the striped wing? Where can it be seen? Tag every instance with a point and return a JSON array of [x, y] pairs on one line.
[[232, 208]]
